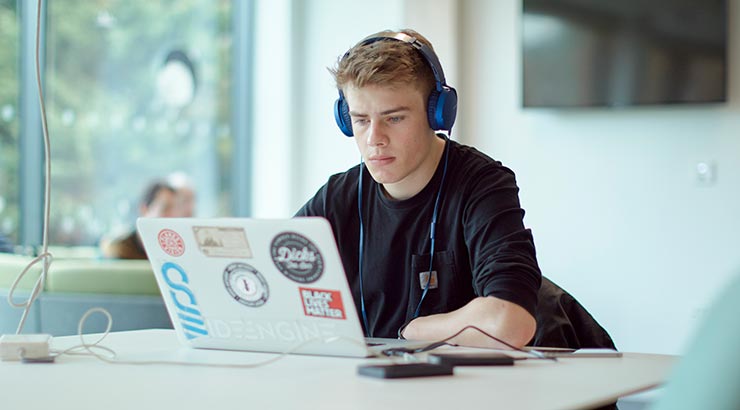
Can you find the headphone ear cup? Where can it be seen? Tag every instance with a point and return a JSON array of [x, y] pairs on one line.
[[442, 108], [342, 117]]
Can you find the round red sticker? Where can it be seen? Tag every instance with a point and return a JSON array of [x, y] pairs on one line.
[[171, 242]]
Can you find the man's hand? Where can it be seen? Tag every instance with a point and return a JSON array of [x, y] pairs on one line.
[[503, 319]]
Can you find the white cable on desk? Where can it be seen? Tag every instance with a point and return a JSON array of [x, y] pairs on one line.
[[88, 349]]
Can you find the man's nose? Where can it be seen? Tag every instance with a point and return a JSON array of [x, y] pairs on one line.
[[376, 134]]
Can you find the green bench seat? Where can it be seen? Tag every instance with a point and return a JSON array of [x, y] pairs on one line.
[[126, 288]]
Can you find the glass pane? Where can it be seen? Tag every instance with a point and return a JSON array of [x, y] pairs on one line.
[[9, 41], [136, 91]]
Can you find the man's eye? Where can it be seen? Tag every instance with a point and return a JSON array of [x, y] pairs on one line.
[[395, 119], [359, 121]]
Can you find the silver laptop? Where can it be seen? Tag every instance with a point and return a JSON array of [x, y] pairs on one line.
[[268, 285]]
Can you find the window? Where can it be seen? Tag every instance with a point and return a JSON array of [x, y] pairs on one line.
[[135, 91], [9, 195]]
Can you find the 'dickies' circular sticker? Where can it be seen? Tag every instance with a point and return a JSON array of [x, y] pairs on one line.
[[296, 257], [171, 242], [246, 285]]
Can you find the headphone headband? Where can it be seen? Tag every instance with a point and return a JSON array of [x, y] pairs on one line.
[[429, 55]]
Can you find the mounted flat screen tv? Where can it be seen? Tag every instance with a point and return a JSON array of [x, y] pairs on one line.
[[610, 53]]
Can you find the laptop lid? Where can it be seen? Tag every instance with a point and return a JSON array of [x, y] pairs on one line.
[[271, 285]]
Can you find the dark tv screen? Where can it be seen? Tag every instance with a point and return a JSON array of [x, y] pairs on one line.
[[608, 53]]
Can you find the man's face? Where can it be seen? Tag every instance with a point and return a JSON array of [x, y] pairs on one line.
[[184, 204], [162, 205], [392, 132]]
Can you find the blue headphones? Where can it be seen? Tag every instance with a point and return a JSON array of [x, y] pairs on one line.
[[442, 103]]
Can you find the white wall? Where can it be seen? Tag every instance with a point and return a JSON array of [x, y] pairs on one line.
[[273, 89], [611, 195]]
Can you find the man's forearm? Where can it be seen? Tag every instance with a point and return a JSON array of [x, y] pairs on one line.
[[503, 319]]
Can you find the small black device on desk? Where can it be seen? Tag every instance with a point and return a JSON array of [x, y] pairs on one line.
[[471, 359], [403, 370]]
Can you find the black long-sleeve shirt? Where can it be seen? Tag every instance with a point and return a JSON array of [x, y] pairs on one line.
[[481, 248]]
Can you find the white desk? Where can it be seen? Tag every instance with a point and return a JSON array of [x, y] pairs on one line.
[[309, 382]]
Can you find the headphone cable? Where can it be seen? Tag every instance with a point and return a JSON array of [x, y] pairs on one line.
[[362, 245], [432, 229]]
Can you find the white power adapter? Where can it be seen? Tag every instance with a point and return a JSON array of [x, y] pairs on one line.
[[18, 347]]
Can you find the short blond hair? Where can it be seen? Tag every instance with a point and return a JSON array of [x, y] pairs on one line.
[[386, 63]]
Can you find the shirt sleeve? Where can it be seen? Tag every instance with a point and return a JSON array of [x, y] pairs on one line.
[[503, 258]]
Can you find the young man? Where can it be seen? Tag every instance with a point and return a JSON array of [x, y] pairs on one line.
[[418, 194]]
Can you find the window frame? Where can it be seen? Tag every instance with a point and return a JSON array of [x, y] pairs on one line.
[[30, 138]]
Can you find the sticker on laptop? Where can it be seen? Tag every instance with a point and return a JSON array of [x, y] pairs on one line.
[[322, 303], [171, 242], [222, 242], [246, 285], [297, 257], [189, 315]]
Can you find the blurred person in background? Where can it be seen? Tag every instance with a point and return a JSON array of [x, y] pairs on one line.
[[184, 206], [158, 200]]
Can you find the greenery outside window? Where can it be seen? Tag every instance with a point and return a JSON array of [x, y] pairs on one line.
[[135, 91], [9, 124]]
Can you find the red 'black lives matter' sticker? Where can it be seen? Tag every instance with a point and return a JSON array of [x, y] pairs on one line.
[[322, 303]]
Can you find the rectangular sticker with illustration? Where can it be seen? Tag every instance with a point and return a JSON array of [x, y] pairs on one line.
[[222, 242]]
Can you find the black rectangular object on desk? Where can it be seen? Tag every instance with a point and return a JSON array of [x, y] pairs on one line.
[[471, 359], [404, 370]]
